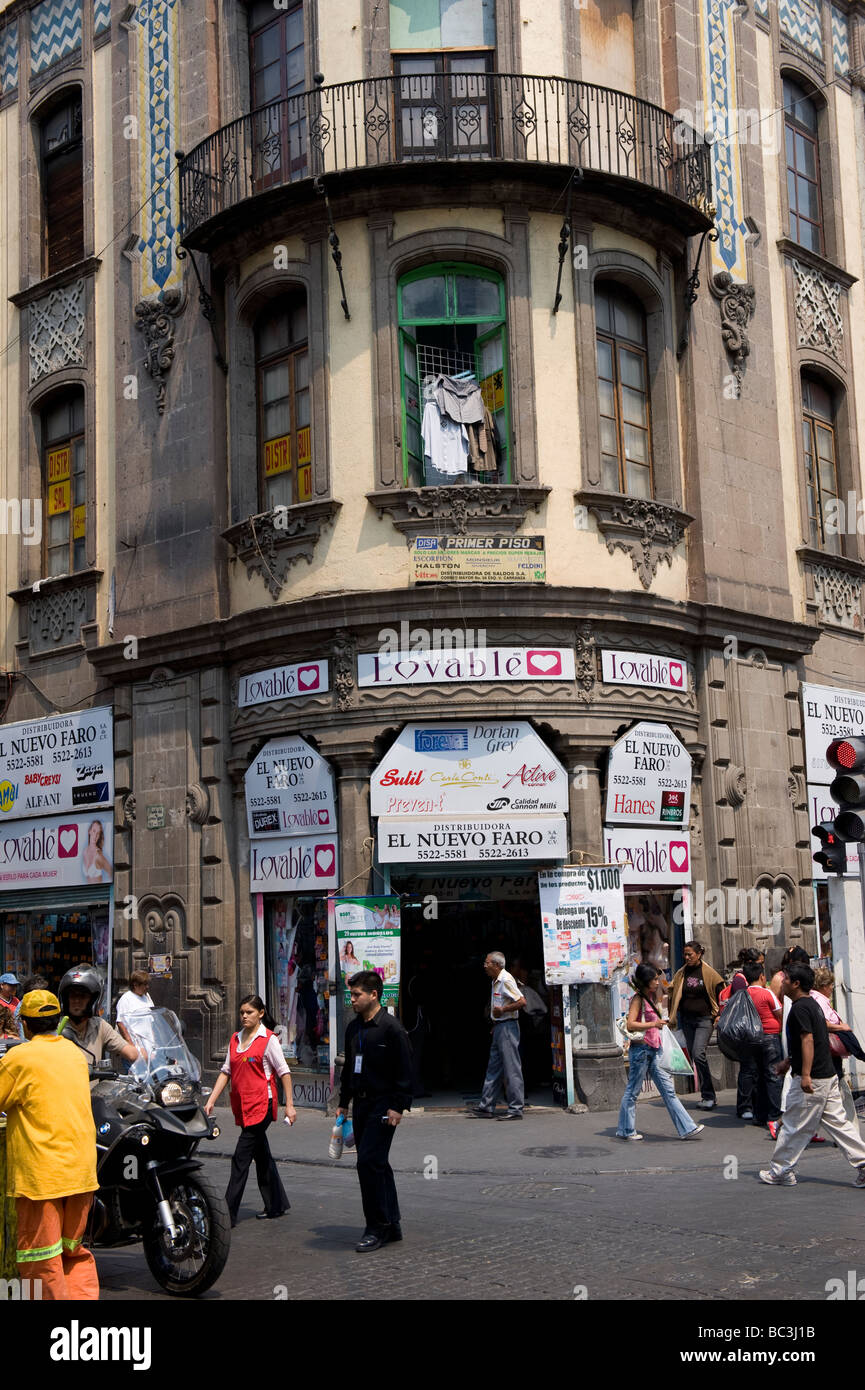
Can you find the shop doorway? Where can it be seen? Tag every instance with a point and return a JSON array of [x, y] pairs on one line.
[[445, 991]]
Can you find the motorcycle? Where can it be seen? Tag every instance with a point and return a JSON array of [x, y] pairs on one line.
[[149, 1125]]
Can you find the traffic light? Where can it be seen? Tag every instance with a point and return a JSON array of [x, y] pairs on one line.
[[847, 756], [833, 854]]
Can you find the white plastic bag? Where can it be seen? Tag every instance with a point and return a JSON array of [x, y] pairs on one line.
[[672, 1058]]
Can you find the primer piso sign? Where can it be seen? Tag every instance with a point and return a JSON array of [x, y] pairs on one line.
[[455, 667], [821, 807], [453, 840], [643, 668], [828, 713], [649, 778], [58, 852], [291, 866], [56, 765], [649, 856], [282, 683], [289, 790], [469, 768]]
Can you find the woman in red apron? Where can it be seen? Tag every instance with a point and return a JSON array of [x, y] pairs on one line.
[[253, 1062]]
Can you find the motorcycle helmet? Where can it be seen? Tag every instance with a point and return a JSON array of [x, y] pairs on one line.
[[88, 977]]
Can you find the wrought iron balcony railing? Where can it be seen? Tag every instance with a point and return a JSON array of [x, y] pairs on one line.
[[435, 117]]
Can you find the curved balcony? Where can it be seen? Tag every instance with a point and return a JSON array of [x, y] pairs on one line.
[[399, 126]]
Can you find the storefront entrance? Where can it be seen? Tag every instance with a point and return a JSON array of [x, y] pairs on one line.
[[448, 928]]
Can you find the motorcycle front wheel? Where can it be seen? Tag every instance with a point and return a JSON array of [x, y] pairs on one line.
[[189, 1265]]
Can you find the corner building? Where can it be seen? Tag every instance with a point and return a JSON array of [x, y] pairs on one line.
[[241, 243]]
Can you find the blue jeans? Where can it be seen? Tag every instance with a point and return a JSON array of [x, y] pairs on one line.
[[504, 1069], [643, 1062]]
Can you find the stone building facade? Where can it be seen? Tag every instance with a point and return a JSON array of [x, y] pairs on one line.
[[244, 170]]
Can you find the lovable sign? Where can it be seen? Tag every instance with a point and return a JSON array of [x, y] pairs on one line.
[[644, 669], [290, 865], [649, 855], [460, 665], [282, 683]]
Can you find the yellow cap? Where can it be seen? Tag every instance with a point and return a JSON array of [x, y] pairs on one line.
[[39, 1003]]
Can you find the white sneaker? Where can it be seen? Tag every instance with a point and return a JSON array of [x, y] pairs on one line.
[[633, 1137], [860, 1177], [706, 1104], [694, 1132], [778, 1180], [747, 1115]]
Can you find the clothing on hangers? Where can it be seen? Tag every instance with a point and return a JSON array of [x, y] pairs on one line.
[[483, 444], [445, 444], [460, 398]]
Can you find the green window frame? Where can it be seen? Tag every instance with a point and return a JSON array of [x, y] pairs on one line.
[[453, 299]]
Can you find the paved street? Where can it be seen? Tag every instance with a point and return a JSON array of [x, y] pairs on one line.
[[537, 1209]]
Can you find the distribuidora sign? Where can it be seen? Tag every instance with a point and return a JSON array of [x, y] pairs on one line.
[[649, 856], [61, 764], [828, 713], [517, 837], [282, 683], [470, 769], [289, 790], [649, 778]]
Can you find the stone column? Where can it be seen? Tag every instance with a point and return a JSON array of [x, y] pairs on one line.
[[598, 1072]]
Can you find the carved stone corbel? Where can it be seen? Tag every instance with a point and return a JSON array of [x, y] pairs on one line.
[[648, 531], [585, 663], [737, 301], [344, 667], [197, 803], [269, 544], [154, 318]]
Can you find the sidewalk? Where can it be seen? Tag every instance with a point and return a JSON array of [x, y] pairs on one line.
[[546, 1143]]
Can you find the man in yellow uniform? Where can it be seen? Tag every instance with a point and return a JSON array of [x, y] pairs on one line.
[[51, 1152]]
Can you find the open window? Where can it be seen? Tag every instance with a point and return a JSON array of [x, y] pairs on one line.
[[454, 354], [64, 483], [62, 184], [282, 373], [623, 391], [819, 443]]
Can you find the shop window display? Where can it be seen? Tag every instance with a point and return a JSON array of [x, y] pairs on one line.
[[296, 930], [49, 943], [649, 931]]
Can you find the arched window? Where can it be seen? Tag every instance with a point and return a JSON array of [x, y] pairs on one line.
[[803, 166], [62, 183], [821, 463], [282, 374], [277, 78], [63, 456], [623, 391], [453, 345]]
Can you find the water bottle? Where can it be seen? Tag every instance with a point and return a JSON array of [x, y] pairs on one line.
[[337, 1138]]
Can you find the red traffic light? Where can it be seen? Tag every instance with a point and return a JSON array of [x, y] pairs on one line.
[[846, 754], [832, 856]]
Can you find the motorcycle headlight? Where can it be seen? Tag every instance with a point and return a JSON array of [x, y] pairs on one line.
[[173, 1093]]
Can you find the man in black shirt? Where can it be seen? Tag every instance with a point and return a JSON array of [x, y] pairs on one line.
[[376, 1077], [814, 1097]]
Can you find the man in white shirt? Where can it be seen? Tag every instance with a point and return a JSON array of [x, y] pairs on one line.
[[135, 1001], [504, 1070]]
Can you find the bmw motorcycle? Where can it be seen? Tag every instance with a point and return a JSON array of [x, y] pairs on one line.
[[149, 1125]]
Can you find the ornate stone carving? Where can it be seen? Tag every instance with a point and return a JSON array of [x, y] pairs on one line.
[[737, 309], [129, 809], [585, 663], [57, 617], [154, 318], [56, 331], [796, 790], [735, 785], [647, 531], [838, 596], [757, 657], [197, 803], [344, 667], [269, 544], [460, 510], [818, 311]]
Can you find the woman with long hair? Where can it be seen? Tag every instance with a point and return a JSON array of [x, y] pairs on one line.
[[252, 1063], [643, 1017], [93, 861]]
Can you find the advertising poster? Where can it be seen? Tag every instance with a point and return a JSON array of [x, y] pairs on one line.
[[582, 922], [289, 790], [159, 967], [479, 559], [469, 769], [649, 854], [57, 765], [368, 938], [649, 778], [61, 852]]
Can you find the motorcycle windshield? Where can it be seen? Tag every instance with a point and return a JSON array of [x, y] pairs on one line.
[[158, 1034]]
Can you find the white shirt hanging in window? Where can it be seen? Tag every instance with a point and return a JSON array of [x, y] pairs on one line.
[[445, 444]]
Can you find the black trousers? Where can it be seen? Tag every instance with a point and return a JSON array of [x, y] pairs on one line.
[[253, 1145], [698, 1030], [377, 1187], [758, 1083]]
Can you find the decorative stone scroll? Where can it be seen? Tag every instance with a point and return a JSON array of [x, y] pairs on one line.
[[269, 544], [737, 309], [647, 531], [475, 509]]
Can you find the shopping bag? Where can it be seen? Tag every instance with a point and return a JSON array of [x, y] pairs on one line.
[[739, 1027], [671, 1056]]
